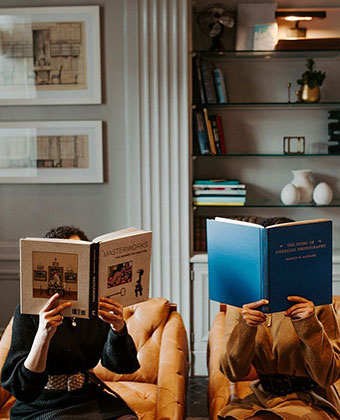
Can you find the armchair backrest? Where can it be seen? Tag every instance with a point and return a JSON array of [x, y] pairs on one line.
[[145, 323]]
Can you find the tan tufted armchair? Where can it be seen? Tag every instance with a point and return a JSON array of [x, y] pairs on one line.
[[157, 390], [219, 387]]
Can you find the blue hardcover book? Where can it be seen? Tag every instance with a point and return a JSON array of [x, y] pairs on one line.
[[248, 262], [201, 133], [221, 90]]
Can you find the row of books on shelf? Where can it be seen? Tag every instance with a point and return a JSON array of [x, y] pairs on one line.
[[209, 133], [218, 192], [210, 82]]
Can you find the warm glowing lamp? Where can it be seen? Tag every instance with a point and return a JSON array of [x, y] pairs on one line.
[[298, 16]]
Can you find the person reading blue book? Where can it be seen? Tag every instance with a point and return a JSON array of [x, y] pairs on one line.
[[296, 355], [48, 364]]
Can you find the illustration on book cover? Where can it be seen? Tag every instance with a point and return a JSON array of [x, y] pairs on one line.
[[121, 274], [55, 273]]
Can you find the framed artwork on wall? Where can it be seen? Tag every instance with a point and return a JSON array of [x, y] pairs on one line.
[[50, 56], [51, 152]]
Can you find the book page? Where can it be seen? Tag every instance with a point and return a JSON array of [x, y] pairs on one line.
[[238, 222], [122, 232], [56, 240], [302, 222]]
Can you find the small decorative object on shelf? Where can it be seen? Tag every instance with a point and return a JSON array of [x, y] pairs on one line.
[[216, 20], [290, 195], [310, 82], [289, 85], [302, 180], [322, 194], [334, 132], [288, 142]]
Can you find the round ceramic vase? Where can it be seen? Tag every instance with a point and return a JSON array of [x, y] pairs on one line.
[[290, 195], [302, 180], [322, 194]]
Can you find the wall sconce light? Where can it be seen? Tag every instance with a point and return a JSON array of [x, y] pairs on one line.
[[298, 16]]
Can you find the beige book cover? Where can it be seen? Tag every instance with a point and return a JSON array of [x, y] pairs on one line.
[[115, 265]]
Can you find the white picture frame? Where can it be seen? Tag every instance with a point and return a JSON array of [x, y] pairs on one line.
[[51, 152], [50, 55]]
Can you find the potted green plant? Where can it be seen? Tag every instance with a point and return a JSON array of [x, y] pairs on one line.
[[310, 82]]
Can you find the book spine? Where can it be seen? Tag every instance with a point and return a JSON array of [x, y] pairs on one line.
[[210, 133], [216, 134], [208, 81], [217, 183], [200, 81], [93, 296], [221, 133], [228, 193], [221, 91], [220, 199], [264, 269], [201, 133]]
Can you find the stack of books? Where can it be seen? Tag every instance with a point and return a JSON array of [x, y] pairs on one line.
[[218, 192]]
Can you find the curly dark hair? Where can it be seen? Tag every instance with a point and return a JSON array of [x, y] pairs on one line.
[[275, 221], [65, 232]]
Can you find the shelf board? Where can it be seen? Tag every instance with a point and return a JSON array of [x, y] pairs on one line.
[[334, 203], [271, 54], [285, 105], [210, 156]]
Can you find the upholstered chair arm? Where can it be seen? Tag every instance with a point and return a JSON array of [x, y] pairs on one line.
[[5, 344], [219, 388], [173, 370]]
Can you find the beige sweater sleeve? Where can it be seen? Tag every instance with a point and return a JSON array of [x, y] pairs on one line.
[[320, 346], [239, 346]]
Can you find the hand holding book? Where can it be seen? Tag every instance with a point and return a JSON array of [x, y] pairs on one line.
[[251, 315], [254, 317], [50, 317], [302, 309], [111, 312]]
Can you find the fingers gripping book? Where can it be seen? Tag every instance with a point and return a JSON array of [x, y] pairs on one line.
[[248, 262], [115, 265]]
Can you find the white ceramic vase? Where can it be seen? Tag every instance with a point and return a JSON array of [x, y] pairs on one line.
[[322, 193], [290, 195], [302, 180]]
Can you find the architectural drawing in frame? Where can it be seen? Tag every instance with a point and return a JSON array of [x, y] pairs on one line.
[[51, 152], [50, 55]]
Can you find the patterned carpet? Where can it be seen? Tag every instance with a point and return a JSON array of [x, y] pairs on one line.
[[197, 404]]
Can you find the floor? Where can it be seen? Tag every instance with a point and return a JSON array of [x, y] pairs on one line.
[[197, 403]]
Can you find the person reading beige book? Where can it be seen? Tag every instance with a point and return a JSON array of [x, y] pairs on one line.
[[296, 355], [47, 367]]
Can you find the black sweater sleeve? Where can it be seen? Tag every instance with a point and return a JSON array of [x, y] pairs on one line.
[[22, 383], [119, 353]]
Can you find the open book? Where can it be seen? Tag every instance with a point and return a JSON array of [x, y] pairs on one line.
[[248, 262], [115, 265]]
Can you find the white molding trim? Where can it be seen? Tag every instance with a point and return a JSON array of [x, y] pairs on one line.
[[9, 260], [157, 139]]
